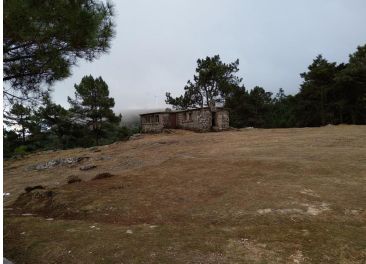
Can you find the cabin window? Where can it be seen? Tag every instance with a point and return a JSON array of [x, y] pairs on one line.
[[189, 116], [150, 119]]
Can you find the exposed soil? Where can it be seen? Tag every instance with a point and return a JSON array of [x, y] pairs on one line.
[[244, 196]]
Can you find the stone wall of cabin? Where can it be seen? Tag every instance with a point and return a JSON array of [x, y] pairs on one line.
[[199, 120], [149, 123], [222, 120]]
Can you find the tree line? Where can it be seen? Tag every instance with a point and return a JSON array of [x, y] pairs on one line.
[[330, 93], [89, 121], [42, 40]]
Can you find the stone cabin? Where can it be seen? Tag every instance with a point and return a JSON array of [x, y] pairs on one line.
[[198, 119]]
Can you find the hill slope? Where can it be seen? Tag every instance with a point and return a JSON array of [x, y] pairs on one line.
[[248, 196]]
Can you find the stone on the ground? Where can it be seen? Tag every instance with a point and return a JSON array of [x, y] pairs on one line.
[[6, 261], [58, 162], [87, 167], [135, 136]]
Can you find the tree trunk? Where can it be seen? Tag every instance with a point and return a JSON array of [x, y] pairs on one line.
[[322, 105], [353, 116], [23, 134]]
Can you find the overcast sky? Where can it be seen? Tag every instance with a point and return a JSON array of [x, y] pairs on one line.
[[158, 42]]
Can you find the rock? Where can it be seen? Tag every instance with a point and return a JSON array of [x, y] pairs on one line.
[[129, 231], [264, 211], [73, 179], [87, 167], [48, 164], [27, 214], [135, 136], [103, 176], [58, 162], [6, 194], [104, 158], [168, 131], [6, 261], [31, 188], [95, 149]]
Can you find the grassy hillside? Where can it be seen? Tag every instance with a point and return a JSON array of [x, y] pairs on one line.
[[245, 196]]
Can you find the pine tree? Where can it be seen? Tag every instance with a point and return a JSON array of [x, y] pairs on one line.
[[19, 119], [43, 39], [213, 81], [351, 88], [314, 103], [92, 105]]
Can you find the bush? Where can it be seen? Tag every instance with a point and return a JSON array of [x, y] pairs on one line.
[[21, 150]]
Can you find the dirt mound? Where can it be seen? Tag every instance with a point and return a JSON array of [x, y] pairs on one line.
[[73, 179], [103, 176], [38, 200], [31, 188]]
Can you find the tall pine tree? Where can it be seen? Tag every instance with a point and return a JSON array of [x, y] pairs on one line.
[[213, 81], [19, 118], [43, 39], [92, 106]]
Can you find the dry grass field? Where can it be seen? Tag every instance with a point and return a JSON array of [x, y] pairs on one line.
[[243, 196]]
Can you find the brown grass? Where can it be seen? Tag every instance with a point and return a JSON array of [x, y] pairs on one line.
[[249, 196]]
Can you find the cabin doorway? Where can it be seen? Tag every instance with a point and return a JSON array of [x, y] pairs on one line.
[[172, 120], [213, 119]]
